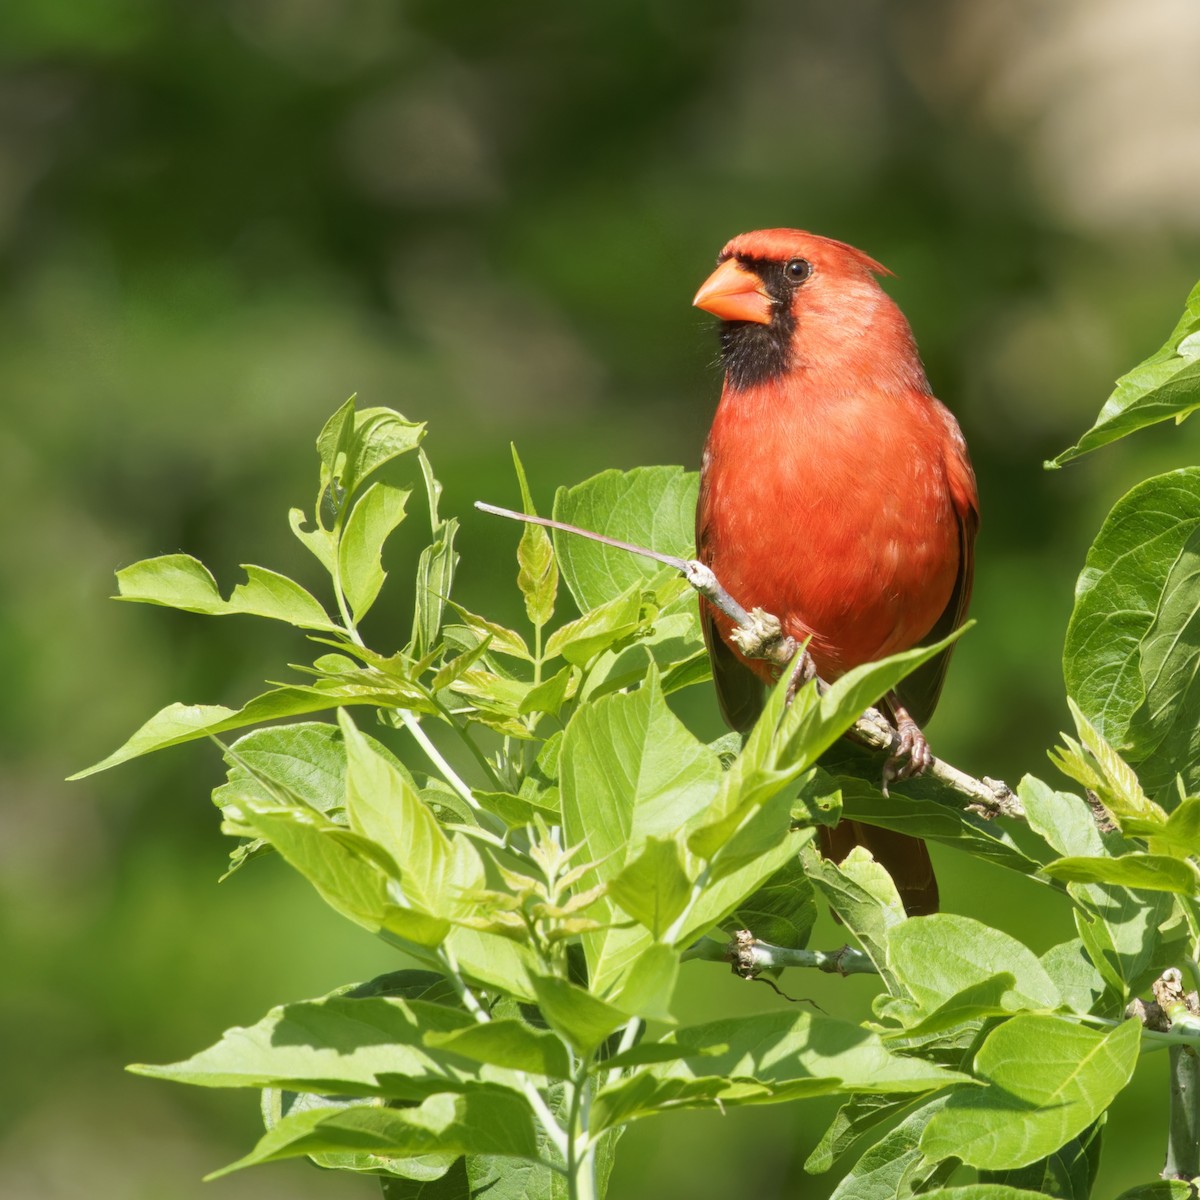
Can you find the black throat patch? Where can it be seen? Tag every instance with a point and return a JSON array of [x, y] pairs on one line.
[[752, 353]]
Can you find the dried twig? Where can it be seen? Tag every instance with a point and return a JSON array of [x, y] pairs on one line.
[[760, 635]]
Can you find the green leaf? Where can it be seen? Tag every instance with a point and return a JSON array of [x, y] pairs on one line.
[[482, 1121], [1151, 872], [865, 900], [378, 511], [341, 1044], [653, 507], [1078, 982], [1047, 1080], [653, 887], [178, 723], [937, 956], [549, 695], [575, 1013], [434, 579], [647, 986], [1132, 654], [1067, 1174], [436, 872], [982, 1191], [351, 873], [505, 1042], [417, 1171], [853, 1119], [582, 640], [1166, 385], [923, 807], [783, 910], [1161, 1189], [537, 576], [894, 1166], [629, 771], [181, 581], [762, 1059], [1096, 764], [379, 436]]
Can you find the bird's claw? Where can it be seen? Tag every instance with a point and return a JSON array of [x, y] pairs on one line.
[[804, 670], [912, 755]]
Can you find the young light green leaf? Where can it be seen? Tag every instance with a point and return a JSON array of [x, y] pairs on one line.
[[537, 576], [505, 1042], [181, 581], [379, 436], [1132, 652], [653, 887], [436, 872], [179, 723], [1150, 872], [936, 956], [372, 519], [434, 579], [1166, 385], [648, 506], [481, 1121], [341, 1044], [1048, 1079], [1095, 763], [353, 875], [551, 694], [582, 640]]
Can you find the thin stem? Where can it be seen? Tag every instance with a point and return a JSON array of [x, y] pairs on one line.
[[1183, 1128], [435, 756], [559, 1138], [749, 956], [628, 1036]]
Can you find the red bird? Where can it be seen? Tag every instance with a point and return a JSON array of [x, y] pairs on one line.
[[836, 492]]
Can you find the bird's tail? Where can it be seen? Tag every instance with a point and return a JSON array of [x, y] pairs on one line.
[[905, 858]]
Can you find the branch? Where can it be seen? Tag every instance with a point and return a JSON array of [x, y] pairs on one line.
[[749, 957], [760, 635]]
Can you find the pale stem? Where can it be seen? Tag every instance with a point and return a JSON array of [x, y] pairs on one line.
[[554, 1131]]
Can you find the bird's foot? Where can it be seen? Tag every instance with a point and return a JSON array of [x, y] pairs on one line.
[[763, 637], [804, 670], [912, 755]]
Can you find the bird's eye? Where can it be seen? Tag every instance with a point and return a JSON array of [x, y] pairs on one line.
[[797, 270]]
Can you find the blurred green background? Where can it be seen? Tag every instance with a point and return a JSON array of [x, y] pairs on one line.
[[219, 219]]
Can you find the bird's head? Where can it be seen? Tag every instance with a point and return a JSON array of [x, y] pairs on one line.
[[788, 298]]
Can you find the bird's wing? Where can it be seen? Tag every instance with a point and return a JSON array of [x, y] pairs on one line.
[[919, 692], [739, 690]]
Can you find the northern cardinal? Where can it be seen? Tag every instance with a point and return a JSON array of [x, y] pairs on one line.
[[836, 492]]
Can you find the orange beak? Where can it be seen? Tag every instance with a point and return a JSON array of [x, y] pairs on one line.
[[733, 293]]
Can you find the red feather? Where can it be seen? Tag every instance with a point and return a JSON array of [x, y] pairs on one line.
[[836, 491]]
